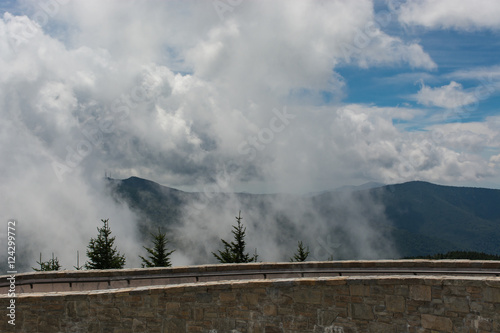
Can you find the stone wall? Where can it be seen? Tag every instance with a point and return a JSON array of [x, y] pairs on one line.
[[82, 280], [334, 304]]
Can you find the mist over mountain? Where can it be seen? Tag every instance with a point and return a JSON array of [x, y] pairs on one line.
[[275, 96], [392, 221]]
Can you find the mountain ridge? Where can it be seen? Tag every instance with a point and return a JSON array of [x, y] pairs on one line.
[[422, 218]]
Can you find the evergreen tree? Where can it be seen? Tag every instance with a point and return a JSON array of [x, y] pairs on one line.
[[234, 252], [301, 254], [159, 256], [100, 251], [49, 265]]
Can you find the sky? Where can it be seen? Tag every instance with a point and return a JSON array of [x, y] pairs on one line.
[[234, 95]]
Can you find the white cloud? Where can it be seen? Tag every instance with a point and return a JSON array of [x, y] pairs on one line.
[[285, 46], [446, 14], [389, 50], [471, 137], [360, 142], [57, 100], [449, 96], [495, 160], [487, 74], [168, 91], [487, 77]]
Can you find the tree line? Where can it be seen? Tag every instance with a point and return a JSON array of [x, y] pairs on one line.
[[103, 254], [471, 255]]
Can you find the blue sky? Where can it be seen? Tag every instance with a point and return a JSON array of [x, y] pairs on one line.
[[452, 51]]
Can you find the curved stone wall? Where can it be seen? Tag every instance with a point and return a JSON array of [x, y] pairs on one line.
[[325, 304], [65, 281]]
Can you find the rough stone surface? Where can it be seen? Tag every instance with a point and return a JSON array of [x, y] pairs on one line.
[[420, 293], [395, 303], [437, 323], [409, 304]]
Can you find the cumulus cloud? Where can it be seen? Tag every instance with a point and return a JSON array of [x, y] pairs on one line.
[[362, 142], [374, 51], [449, 96], [450, 14], [471, 137]]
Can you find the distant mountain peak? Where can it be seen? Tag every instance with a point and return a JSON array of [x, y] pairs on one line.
[[365, 186]]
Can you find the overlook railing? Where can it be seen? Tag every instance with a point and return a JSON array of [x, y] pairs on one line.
[[61, 281]]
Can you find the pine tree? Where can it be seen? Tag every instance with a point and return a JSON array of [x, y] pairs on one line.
[[234, 252], [101, 253], [159, 256], [49, 265], [301, 254]]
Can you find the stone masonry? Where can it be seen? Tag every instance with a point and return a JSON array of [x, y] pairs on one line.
[[390, 304]]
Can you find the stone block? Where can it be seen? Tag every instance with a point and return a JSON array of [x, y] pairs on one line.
[[437, 323], [227, 297], [211, 313], [285, 311], [326, 317], [384, 289], [198, 314], [250, 299], [395, 303], [377, 327], [138, 326], [48, 324], [359, 290], [191, 327], [307, 296], [456, 304], [273, 329], [361, 311], [357, 299], [119, 330], [145, 313], [473, 289], [255, 327], [238, 314], [203, 297], [107, 313], [495, 325], [491, 295], [484, 325], [224, 324], [455, 290], [172, 307], [420, 293], [174, 325], [476, 306], [269, 310], [401, 290]]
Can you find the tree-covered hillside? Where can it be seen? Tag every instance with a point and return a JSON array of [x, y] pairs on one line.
[[419, 218]]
